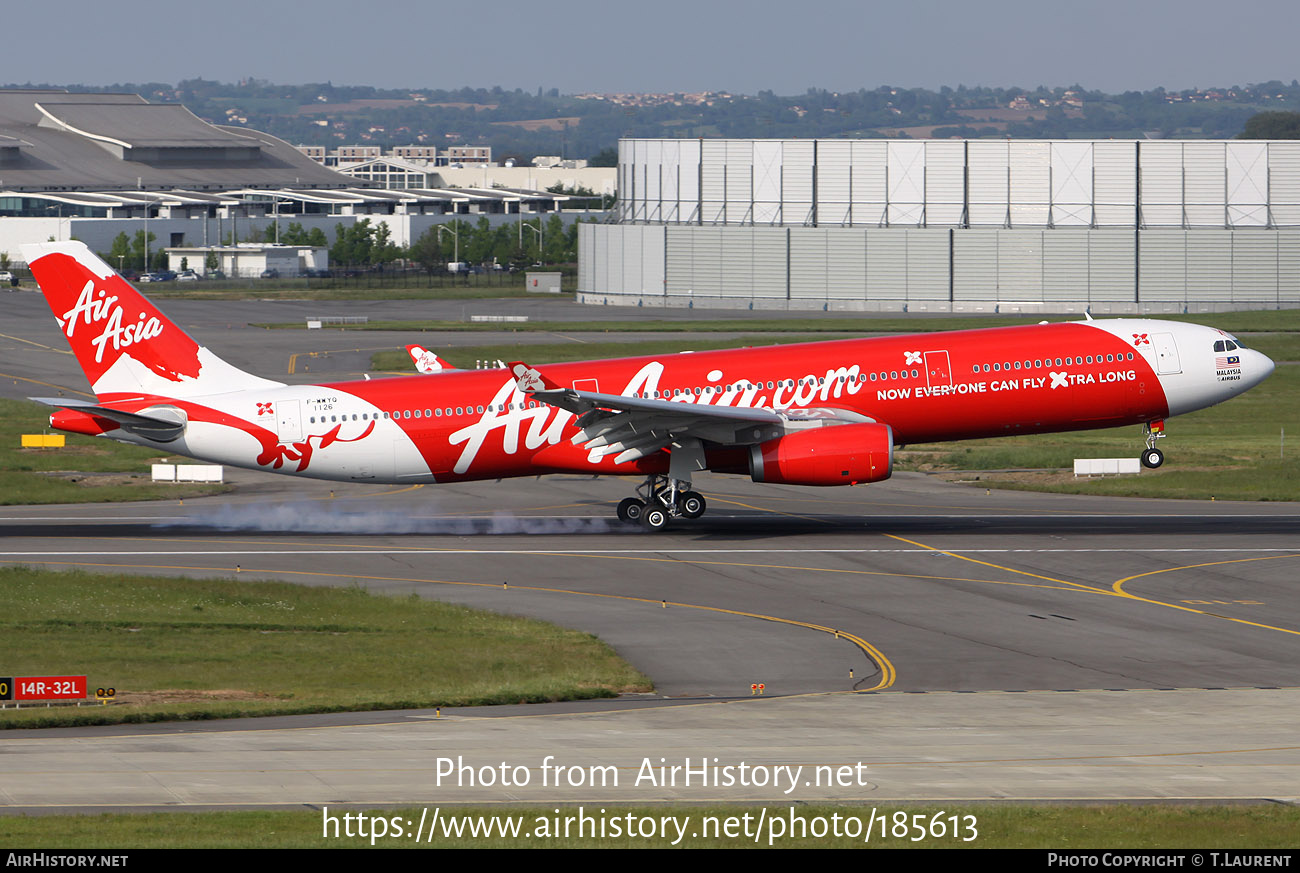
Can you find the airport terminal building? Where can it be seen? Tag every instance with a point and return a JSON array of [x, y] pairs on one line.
[[950, 225], [92, 166]]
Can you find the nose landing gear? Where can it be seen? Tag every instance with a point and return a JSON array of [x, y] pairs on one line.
[[1153, 457]]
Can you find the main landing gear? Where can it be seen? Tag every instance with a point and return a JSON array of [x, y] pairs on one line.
[[660, 499], [1151, 456]]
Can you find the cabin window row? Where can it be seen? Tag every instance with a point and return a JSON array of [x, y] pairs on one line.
[[1038, 363]]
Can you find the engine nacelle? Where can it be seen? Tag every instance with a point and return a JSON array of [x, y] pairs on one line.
[[841, 454], [81, 422]]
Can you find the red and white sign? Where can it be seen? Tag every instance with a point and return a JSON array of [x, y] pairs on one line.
[[48, 687]]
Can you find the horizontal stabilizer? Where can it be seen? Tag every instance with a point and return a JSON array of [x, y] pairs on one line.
[[164, 425]]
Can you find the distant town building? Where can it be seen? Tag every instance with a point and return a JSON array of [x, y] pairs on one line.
[[467, 155], [415, 153], [348, 154], [452, 156]]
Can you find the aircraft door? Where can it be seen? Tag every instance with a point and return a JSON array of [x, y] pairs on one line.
[[938, 369], [288, 421], [1166, 353]]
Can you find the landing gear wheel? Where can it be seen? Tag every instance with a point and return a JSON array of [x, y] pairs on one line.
[[654, 518], [692, 504], [630, 509], [1152, 458]]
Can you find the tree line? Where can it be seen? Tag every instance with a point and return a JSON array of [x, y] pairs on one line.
[[367, 245]]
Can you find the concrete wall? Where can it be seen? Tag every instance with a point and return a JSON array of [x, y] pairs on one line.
[[1103, 270]]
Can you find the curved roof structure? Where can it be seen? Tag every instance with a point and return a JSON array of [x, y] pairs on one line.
[[59, 141]]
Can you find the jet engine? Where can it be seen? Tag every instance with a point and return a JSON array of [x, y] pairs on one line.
[[842, 454]]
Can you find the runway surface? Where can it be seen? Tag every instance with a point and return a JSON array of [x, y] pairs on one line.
[[961, 644], [1069, 647]]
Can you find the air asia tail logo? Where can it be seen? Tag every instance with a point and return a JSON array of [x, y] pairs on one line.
[[92, 309], [529, 379]]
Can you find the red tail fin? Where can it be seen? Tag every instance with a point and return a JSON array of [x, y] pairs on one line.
[[122, 341]]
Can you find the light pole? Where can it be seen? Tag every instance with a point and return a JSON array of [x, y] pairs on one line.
[[537, 230], [456, 240]]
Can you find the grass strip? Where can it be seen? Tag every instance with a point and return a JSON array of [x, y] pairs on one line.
[[86, 470], [1281, 321], [178, 648], [1261, 827]]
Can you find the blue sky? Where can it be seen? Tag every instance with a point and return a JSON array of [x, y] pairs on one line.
[[667, 45]]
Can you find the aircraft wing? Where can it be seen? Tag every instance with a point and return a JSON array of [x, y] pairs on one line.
[[634, 427]]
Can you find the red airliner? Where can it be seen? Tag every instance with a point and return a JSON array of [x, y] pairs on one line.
[[825, 413]]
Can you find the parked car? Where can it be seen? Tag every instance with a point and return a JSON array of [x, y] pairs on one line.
[[187, 276], [6, 276], [270, 274], [146, 278]]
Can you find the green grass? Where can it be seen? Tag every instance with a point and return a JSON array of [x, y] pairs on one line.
[[378, 286], [556, 353], [177, 648], [1022, 826], [1268, 321], [846, 326], [57, 475], [1278, 346]]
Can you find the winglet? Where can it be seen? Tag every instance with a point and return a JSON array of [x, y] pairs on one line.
[[426, 361], [528, 379]]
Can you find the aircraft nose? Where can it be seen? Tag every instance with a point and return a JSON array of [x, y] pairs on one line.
[[1261, 367]]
